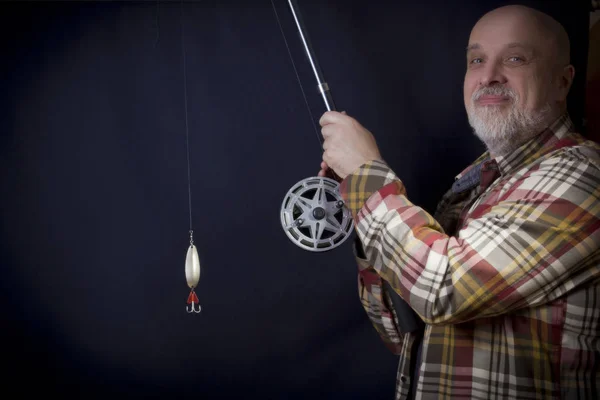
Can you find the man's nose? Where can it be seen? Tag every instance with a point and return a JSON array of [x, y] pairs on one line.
[[492, 74]]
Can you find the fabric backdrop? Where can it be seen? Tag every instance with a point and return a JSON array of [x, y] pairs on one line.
[[94, 206]]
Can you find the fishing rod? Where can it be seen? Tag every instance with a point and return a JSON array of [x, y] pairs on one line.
[[313, 213]]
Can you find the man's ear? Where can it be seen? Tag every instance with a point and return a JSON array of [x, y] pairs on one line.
[[565, 80]]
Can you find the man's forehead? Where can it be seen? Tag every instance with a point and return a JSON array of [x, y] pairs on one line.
[[508, 45]]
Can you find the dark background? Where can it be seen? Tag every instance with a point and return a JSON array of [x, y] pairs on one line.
[[94, 204]]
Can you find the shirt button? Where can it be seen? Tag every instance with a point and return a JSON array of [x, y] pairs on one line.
[[403, 378]]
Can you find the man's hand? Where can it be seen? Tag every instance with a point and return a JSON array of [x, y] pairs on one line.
[[347, 144]]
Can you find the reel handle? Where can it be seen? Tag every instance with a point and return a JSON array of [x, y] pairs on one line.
[[332, 175]]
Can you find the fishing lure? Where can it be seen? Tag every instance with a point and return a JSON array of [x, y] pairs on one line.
[[192, 275]]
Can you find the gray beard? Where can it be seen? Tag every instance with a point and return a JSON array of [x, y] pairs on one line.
[[504, 132]]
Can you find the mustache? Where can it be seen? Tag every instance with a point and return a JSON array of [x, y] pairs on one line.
[[496, 90]]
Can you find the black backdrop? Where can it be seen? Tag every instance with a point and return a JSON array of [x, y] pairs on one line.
[[94, 205]]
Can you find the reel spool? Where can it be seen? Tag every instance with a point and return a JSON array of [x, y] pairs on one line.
[[314, 216]]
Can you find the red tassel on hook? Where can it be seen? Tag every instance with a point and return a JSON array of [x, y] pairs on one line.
[[192, 298]]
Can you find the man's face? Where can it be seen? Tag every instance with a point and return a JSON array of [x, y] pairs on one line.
[[508, 88]]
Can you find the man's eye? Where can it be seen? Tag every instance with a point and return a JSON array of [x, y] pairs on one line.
[[515, 59], [476, 61]]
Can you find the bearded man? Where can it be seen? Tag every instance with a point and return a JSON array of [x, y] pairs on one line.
[[506, 275]]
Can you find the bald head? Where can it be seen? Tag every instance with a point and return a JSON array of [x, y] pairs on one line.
[[541, 29]]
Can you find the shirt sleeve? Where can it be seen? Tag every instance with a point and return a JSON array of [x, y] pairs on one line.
[[535, 243]]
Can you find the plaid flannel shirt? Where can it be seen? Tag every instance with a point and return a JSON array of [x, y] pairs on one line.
[[506, 276]]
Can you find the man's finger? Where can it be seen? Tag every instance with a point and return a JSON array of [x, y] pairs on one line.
[[330, 117], [327, 130]]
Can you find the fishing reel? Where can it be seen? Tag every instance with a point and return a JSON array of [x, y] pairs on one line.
[[314, 216]]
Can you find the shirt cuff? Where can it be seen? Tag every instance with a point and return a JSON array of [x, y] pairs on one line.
[[371, 177]]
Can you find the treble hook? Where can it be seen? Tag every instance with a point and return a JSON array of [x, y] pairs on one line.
[[192, 309], [193, 300]]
